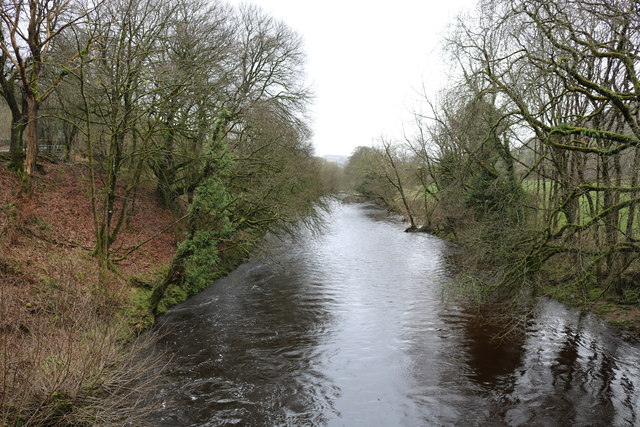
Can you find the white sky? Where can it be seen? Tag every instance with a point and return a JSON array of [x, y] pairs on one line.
[[366, 62]]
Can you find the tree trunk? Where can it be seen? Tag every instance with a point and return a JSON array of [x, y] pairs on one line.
[[18, 122], [175, 276], [165, 172], [15, 147], [32, 134]]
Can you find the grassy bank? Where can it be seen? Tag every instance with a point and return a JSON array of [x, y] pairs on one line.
[[68, 346]]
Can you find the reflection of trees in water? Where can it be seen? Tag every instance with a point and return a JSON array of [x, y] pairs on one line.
[[561, 369], [566, 369], [583, 374], [492, 356], [572, 373]]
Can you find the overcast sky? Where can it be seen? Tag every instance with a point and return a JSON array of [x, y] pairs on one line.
[[366, 62]]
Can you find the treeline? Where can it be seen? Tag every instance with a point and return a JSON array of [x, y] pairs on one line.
[[201, 102], [531, 158]]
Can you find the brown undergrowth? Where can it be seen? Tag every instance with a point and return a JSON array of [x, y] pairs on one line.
[[68, 352]]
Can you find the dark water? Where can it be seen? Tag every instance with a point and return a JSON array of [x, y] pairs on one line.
[[354, 329]]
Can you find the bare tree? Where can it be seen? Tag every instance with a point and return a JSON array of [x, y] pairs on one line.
[[392, 172], [566, 69], [117, 96], [13, 97], [29, 28], [193, 71]]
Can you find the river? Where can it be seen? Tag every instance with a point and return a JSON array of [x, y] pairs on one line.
[[354, 327]]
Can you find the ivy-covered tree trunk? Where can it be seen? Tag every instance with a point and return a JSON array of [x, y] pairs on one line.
[[196, 262], [174, 277]]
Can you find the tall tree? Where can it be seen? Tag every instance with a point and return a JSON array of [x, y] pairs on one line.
[[29, 28], [567, 69], [192, 72], [118, 94], [10, 91], [258, 74]]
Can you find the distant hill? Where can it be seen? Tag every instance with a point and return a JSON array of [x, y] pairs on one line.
[[342, 160]]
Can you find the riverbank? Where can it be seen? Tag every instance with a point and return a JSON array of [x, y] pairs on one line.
[[621, 311], [69, 331], [65, 338]]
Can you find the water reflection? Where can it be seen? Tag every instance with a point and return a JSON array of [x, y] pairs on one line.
[[491, 357], [576, 371], [241, 358], [353, 329]]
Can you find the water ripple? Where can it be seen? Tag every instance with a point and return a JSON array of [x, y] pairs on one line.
[[352, 328]]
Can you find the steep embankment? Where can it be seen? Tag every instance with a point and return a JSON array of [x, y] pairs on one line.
[[63, 334]]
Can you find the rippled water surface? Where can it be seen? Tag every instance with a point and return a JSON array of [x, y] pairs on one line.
[[353, 328]]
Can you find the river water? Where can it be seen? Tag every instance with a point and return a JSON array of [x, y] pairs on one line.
[[354, 328]]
